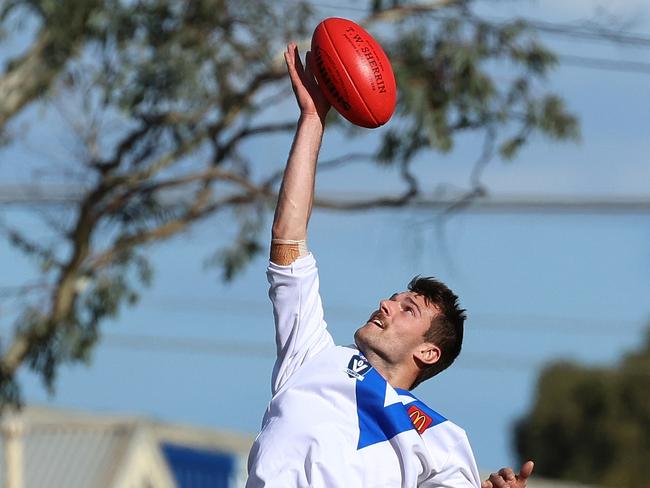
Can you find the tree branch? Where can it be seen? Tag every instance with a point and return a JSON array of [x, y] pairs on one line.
[[199, 210], [240, 100], [325, 165], [402, 11], [223, 150], [31, 75], [65, 292]]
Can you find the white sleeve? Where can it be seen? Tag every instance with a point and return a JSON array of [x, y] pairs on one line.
[[459, 471], [300, 330]]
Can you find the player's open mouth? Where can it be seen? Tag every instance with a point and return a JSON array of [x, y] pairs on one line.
[[374, 319]]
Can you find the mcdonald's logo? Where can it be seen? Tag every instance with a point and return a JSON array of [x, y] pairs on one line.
[[420, 420]]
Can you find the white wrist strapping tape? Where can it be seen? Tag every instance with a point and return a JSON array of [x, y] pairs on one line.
[[302, 245]]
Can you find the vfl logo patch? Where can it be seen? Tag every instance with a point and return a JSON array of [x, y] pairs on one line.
[[421, 421], [358, 367]]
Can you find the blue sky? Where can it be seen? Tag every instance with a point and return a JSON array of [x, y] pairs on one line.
[[537, 287]]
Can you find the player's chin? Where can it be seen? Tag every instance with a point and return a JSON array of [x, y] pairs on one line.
[[360, 336], [365, 329], [364, 334]]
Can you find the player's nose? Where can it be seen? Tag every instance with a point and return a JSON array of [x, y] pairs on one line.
[[385, 307]]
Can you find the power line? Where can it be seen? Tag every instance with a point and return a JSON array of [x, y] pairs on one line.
[[220, 348], [575, 31], [468, 360], [36, 195], [505, 204], [591, 33], [188, 345], [477, 321], [203, 346], [571, 31], [238, 307], [605, 64]]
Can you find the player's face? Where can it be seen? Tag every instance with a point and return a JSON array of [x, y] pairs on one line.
[[396, 330]]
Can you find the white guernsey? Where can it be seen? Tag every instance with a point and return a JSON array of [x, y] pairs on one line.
[[333, 420], [341, 417]]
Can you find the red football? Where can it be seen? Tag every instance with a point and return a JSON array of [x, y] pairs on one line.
[[353, 72]]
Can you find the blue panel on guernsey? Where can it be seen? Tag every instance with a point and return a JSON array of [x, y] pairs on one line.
[[378, 423]]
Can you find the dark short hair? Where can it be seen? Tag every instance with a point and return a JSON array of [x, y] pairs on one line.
[[446, 330]]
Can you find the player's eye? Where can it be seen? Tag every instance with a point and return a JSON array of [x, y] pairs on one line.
[[410, 310]]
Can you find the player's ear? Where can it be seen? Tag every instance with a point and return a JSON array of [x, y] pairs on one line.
[[428, 353]]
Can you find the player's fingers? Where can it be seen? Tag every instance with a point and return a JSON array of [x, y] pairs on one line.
[[290, 57], [298, 62], [507, 473], [526, 469], [486, 484], [289, 53], [497, 481]]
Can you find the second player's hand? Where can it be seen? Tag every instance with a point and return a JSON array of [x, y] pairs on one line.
[[309, 97], [506, 478]]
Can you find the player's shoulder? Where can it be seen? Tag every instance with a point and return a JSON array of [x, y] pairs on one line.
[[409, 398], [436, 423]]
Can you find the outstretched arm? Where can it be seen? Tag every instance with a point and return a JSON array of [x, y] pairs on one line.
[[301, 331], [297, 191]]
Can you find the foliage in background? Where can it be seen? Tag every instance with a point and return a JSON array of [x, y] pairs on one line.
[[160, 97], [591, 424]]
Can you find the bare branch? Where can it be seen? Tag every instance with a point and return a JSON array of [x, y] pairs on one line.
[[380, 202], [199, 210], [243, 98], [30, 246], [324, 165], [402, 11], [134, 183], [223, 150], [478, 189]]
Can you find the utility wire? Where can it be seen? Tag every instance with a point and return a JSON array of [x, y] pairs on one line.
[[244, 307], [590, 33], [572, 30], [37, 195], [621, 66], [235, 307], [468, 360]]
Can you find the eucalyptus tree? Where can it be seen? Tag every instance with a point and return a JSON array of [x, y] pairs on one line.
[[160, 98]]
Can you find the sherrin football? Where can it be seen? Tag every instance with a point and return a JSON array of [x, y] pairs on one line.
[[353, 72]]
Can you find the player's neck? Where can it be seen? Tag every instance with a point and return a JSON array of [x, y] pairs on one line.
[[397, 375]]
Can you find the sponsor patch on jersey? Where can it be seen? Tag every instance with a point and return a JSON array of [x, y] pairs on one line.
[[421, 421], [358, 367]]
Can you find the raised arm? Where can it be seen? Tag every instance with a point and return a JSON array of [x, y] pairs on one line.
[[289, 233], [301, 331]]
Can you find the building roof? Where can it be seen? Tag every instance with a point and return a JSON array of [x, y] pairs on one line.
[[76, 449]]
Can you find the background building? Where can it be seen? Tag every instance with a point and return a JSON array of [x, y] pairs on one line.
[[47, 448], [50, 448]]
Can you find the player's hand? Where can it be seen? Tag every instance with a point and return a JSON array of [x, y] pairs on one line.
[[308, 95], [506, 478]]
